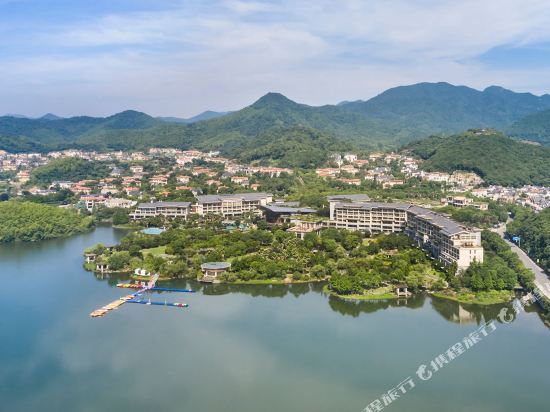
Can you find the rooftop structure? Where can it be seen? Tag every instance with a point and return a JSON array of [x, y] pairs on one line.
[[211, 271], [275, 212]]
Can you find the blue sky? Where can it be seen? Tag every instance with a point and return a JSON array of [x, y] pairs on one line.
[[178, 58]]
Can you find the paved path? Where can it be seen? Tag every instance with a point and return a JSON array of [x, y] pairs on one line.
[[541, 279]]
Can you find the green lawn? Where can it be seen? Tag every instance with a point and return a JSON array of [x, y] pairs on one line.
[[155, 251]]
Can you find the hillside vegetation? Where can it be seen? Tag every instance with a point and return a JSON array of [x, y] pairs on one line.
[[422, 109], [71, 169], [495, 157], [29, 222], [396, 116], [534, 127], [534, 230]]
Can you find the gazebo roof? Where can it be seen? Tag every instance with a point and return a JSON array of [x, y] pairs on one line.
[[215, 266]]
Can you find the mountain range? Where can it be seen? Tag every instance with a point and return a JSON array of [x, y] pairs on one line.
[[395, 117]]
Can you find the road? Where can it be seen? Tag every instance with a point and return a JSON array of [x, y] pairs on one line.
[[541, 279]]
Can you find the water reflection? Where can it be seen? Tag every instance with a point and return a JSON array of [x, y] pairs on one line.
[[452, 311]]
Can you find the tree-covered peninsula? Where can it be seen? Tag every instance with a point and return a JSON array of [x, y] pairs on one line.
[[354, 265], [30, 222]]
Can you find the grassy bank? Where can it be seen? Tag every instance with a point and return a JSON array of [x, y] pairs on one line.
[[492, 297], [373, 294]]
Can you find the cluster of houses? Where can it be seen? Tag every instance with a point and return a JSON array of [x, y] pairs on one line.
[[139, 175], [536, 197], [20, 162]]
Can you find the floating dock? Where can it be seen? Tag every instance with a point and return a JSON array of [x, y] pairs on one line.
[[149, 302], [174, 290], [133, 298]]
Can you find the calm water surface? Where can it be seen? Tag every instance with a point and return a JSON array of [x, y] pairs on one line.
[[244, 348]]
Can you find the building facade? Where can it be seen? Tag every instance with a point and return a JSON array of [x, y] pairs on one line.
[[166, 209], [445, 239], [229, 205]]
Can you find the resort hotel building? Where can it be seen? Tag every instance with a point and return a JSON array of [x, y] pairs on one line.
[[229, 205], [447, 240], [226, 205], [166, 209]]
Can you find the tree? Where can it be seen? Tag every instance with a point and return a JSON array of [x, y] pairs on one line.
[[120, 217], [118, 260]]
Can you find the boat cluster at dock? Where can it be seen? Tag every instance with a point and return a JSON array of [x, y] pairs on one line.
[[136, 297]]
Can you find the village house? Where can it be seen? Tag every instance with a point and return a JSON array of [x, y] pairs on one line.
[[159, 180], [392, 182], [327, 172], [119, 202], [361, 163], [240, 180], [353, 182], [350, 157], [183, 179], [462, 201], [132, 191], [92, 201], [352, 170]]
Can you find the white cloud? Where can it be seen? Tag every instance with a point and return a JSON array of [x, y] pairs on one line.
[[223, 55]]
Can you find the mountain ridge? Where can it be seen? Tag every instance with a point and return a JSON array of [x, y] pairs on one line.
[[394, 117]]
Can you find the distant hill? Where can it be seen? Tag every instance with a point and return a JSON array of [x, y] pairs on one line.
[[534, 127], [276, 111], [397, 116], [294, 147], [495, 157], [50, 116], [209, 114], [22, 134], [411, 112], [19, 116]]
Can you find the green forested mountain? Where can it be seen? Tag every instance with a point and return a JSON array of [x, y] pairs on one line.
[[293, 147], [495, 157], [18, 134], [422, 109], [534, 127], [209, 114], [276, 111], [388, 120]]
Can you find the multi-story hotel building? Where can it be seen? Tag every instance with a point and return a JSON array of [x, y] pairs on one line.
[[229, 205], [166, 209], [445, 239]]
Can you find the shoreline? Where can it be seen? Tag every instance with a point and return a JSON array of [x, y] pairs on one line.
[[493, 297]]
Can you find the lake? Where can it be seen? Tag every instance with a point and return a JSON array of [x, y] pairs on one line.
[[245, 348]]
